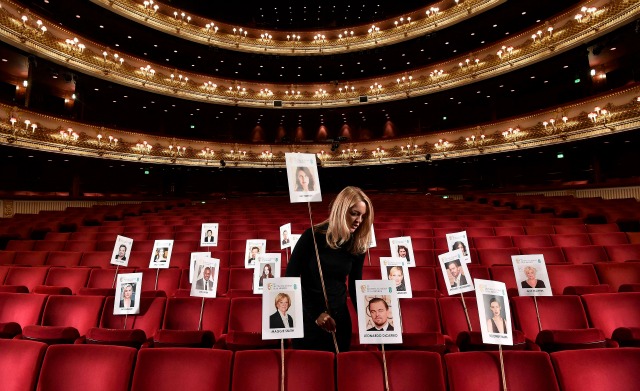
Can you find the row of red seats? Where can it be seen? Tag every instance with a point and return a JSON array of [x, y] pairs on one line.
[[440, 325], [25, 365], [423, 254], [425, 280]]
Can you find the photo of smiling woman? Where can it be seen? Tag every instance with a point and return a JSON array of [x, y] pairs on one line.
[[304, 179], [127, 300]]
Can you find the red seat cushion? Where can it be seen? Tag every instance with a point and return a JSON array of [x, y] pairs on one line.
[[51, 334], [555, 340]]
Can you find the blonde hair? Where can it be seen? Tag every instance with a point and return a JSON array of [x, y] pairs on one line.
[[281, 296], [530, 268], [338, 232]]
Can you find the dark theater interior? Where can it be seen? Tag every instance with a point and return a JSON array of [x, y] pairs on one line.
[[436, 195]]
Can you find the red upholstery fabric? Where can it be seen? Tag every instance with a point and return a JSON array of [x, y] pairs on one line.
[[509, 231], [184, 338], [51, 334], [532, 241], [598, 369], [304, 370], [627, 336], [132, 338], [596, 228], [245, 325], [149, 320], [497, 256], [80, 312], [172, 369], [20, 363], [556, 340], [26, 276], [423, 279], [506, 275], [585, 254], [421, 325], [96, 292], [240, 278], [87, 367], [73, 278], [7, 257], [52, 290], [454, 320], [482, 242], [96, 259], [20, 245], [472, 341], [3, 272], [565, 240], [14, 289], [104, 278], [563, 276], [479, 231], [551, 254], [618, 274], [168, 279], [80, 245], [63, 258], [609, 238], [623, 252], [184, 314], [610, 311], [47, 245], [408, 370], [580, 290], [30, 258], [570, 229], [524, 371]]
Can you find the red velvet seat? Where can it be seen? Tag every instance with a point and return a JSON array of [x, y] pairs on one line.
[[80, 245], [566, 240], [617, 274], [421, 326], [4, 269], [105, 278], [574, 279], [598, 369], [609, 238], [408, 370], [84, 235], [532, 241], [551, 254], [30, 277], [65, 318], [497, 256], [509, 231], [244, 330], [7, 257], [421, 243], [168, 280], [425, 257], [240, 280], [454, 320], [20, 245], [585, 254], [170, 369], [30, 258], [415, 233], [570, 229], [96, 259], [180, 326], [49, 245], [623, 252], [87, 367], [539, 230], [20, 363], [505, 274], [18, 310], [563, 321], [304, 370], [484, 242], [617, 315], [135, 331], [423, 281], [73, 278], [596, 228], [57, 236], [479, 231], [470, 371], [63, 258]]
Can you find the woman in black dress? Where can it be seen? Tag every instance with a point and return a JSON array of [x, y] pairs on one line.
[[342, 241]]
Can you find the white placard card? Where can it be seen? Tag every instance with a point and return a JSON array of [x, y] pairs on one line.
[[372, 240], [205, 277], [267, 266], [455, 272], [285, 236], [128, 293], [253, 249], [302, 176], [531, 275], [294, 240], [121, 251], [209, 235], [161, 254], [494, 312], [396, 270], [282, 308], [378, 312], [401, 247], [459, 241], [192, 263]]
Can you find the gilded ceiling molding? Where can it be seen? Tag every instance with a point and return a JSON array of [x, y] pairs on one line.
[[198, 29], [604, 115], [567, 31]]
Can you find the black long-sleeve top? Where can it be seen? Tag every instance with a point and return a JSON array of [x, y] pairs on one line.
[[337, 264]]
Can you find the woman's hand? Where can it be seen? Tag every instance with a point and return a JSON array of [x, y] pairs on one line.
[[326, 322]]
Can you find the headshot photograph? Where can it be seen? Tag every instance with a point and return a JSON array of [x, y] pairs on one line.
[[459, 245], [206, 282], [253, 250], [121, 251], [304, 180], [127, 294], [396, 275], [457, 277], [495, 313], [379, 313], [455, 272], [209, 235], [281, 318], [128, 291], [530, 271], [161, 254]]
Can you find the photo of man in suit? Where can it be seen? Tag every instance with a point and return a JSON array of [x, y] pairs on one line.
[[379, 311], [209, 237], [456, 272], [280, 319], [122, 251], [205, 283], [285, 237]]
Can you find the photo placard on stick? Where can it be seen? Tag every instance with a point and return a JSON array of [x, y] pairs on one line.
[[396, 270], [455, 272], [378, 312], [294, 240], [128, 293], [302, 176], [161, 254], [494, 312], [459, 241], [282, 308], [285, 236], [192, 263], [531, 274], [267, 266], [401, 248], [372, 241], [253, 249], [121, 251], [209, 235], [205, 277]]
